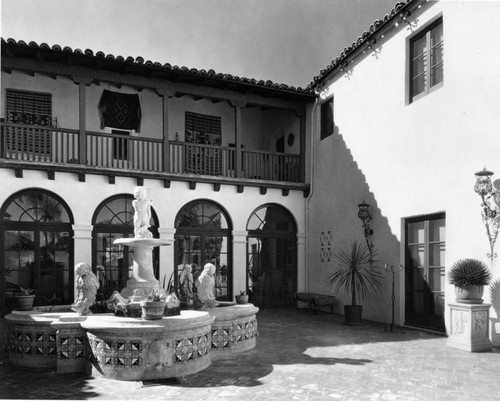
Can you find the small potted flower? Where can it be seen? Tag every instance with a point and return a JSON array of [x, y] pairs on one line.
[[469, 276], [242, 298], [153, 306], [23, 299]]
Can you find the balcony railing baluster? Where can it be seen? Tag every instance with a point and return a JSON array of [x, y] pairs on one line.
[[61, 146]]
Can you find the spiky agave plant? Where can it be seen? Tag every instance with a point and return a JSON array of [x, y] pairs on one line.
[[354, 273], [467, 272]]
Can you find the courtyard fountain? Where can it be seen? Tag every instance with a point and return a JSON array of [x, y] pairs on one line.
[[127, 346]]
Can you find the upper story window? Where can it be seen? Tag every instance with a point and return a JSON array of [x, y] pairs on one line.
[[203, 129], [327, 118], [426, 60], [28, 107]]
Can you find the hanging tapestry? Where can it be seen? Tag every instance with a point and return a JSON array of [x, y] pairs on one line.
[[120, 110]]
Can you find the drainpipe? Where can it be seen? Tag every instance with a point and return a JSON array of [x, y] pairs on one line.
[[309, 197]]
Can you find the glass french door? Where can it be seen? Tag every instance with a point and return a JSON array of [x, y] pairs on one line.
[[271, 257], [197, 250], [39, 259], [203, 235], [425, 271]]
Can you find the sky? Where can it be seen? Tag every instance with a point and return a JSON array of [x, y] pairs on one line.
[[285, 41]]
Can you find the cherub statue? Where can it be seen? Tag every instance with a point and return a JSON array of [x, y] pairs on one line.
[[142, 215], [86, 289], [205, 285], [186, 283]]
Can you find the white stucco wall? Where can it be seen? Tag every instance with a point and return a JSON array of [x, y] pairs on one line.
[[84, 197], [411, 159]]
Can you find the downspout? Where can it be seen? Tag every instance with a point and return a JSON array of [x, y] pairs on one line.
[[309, 197]]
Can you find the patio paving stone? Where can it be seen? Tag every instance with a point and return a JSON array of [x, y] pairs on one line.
[[299, 356]]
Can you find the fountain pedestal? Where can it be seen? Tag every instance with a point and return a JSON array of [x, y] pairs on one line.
[[142, 279]]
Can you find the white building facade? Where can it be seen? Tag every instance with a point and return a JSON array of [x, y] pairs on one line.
[[414, 118]]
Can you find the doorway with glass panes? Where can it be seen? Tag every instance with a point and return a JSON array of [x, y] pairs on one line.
[[203, 235], [425, 248], [37, 248]]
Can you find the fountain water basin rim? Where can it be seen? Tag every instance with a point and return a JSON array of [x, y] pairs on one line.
[[142, 242]]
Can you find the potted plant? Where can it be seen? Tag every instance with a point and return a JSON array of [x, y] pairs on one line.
[[23, 299], [354, 274], [153, 306], [242, 298], [469, 276]]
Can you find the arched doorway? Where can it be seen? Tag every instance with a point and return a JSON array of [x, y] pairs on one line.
[[113, 219], [37, 247], [203, 235], [271, 257]]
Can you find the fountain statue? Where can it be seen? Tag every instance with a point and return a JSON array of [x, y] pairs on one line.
[[142, 280], [86, 289], [205, 285]]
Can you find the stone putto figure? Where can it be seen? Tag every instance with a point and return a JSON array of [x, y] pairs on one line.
[[186, 283], [142, 215], [86, 289], [205, 285]]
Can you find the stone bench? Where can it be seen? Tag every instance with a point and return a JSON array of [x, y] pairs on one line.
[[314, 301]]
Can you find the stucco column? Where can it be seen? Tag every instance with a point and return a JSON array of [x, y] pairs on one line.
[[82, 244], [166, 255], [239, 261], [301, 263]]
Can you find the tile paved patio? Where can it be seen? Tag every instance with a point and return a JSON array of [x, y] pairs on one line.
[[299, 356]]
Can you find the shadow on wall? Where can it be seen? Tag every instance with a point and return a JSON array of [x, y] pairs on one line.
[[340, 185], [495, 322]]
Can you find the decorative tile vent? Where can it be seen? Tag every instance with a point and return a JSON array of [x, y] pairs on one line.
[[325, 246]]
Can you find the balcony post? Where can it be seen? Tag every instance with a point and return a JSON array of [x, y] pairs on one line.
[[302, 175], [165, 95], [82, 82], [238, 105]]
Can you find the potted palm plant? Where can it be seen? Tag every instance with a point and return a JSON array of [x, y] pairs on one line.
[[153, 306], [354, 274], [469, 276], [23, 299]]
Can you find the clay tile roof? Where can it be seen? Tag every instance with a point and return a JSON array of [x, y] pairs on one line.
[[364, 38], [88, 58]]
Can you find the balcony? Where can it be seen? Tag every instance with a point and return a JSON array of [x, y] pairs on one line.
[[39, 147]]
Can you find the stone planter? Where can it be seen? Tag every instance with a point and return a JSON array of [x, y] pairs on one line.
[[153, 310], [23, 302], [353, 315], [241, 299], [470, 294]]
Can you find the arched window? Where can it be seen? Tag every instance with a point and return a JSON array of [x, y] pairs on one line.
[[37, 247], [114, 219], [203, 235], [272, 257]]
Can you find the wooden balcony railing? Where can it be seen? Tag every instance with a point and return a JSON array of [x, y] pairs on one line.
[[61, 146]]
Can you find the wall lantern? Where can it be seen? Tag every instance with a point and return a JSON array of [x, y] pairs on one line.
[[490, 210], [364, 215]]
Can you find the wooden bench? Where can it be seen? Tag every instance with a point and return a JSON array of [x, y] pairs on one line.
[[314, 301]]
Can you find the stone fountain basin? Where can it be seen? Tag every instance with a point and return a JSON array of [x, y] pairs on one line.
[[129, 348]]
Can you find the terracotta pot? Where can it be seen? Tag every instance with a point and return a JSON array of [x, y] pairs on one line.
[[23, 302], [353, 315], [241, 299], [469, 294], [153, 310]]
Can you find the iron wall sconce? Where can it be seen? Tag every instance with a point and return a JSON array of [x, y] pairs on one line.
[[364, 215], [490, 210]]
